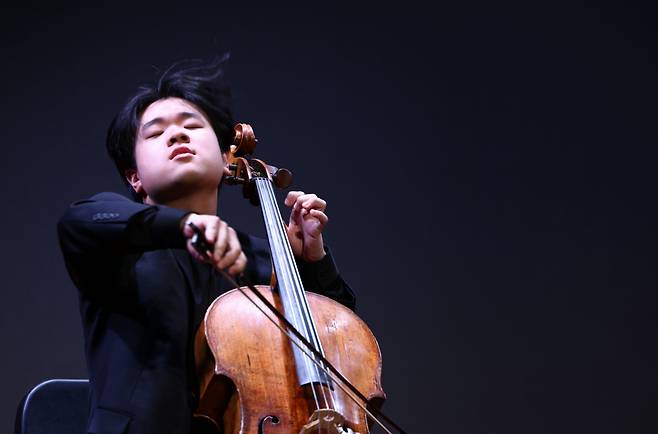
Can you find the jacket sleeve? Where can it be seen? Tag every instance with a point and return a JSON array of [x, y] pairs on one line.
[[323, 277], [97, 235], [109, 224]]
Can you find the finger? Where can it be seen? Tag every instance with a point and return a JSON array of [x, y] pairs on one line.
[[309, 201], [303, 198], [221, 244], [315, 203], [239, 265], [297, 207], [317, 221], [195, 253], [321, 216], [291, 198], [187, 229], [188, 232], [229, 259], [295, 216], [211, 226], [233, 251]]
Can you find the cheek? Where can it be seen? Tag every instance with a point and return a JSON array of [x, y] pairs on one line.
[[212, 149], [215, 161], [147, 162], [141, 149], [216, 164]]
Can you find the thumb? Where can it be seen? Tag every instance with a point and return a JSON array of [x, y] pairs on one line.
[[187, 230]]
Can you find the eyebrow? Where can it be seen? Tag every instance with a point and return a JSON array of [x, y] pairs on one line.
[[179, 116]]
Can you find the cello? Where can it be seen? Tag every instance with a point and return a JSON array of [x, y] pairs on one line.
[[277, 359]]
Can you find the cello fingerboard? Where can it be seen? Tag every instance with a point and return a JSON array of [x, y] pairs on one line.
[[291, 290]]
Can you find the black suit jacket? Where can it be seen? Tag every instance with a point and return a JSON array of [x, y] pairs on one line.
[[142, 298]]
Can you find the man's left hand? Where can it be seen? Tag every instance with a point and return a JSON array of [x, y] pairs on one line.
[[307, 219]]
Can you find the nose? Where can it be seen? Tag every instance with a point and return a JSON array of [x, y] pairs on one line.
[[178, 136]]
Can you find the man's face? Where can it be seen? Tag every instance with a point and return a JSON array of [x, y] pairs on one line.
[[176, 151]]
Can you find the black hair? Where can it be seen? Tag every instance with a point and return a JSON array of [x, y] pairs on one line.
[[201, 83]]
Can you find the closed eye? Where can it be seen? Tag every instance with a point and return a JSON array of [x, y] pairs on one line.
[[193, 126], [154, 134]]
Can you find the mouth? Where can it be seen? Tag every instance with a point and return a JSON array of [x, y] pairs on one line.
[[181, 150]]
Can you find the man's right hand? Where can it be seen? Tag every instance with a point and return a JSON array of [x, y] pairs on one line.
[[227, 252]]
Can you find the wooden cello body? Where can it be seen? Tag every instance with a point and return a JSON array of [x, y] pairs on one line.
[[253, 377], [258, 360]]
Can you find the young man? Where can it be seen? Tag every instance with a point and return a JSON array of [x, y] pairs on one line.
[[143, 288]]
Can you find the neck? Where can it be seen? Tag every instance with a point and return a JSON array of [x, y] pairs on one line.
[[200, 202]]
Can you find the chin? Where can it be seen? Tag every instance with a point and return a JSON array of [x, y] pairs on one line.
[[191, 174], [193, 182]]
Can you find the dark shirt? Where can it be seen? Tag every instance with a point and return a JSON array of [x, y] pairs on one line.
[[142, 298]]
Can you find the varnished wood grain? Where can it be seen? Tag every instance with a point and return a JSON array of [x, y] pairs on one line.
[[253, 358]]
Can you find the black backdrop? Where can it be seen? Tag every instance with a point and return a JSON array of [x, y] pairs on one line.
[[489, 169]]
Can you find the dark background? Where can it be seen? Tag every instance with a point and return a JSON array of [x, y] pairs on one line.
[[489, 169]]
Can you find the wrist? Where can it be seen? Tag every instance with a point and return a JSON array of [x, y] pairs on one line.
[[314, 257]]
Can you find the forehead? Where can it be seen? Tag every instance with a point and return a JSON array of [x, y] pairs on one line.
[[163, 108]]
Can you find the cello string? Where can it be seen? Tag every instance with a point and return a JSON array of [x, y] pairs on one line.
[[287, 274], [303, 306], [295, 294], [342, 381], [353, 393], [298, 295], [201, 244], [287, 267], [268, 206], [347, 387]]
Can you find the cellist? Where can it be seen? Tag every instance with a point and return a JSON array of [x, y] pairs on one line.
[[143, 289]]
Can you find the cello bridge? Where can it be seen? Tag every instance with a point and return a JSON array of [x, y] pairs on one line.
[[326, 421]]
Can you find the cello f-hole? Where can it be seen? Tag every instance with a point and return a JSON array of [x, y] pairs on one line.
[[272, 419]]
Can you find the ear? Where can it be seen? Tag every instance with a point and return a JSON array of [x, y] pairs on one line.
[[133, 178]]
